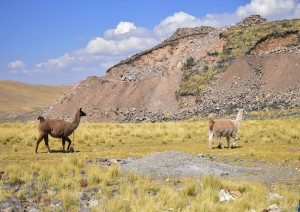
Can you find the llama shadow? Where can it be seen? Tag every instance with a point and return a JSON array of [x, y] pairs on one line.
[[225, 147], [236, 147], [60, 151]]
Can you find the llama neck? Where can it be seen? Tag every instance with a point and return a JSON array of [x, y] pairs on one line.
[[239, 118], [76, 120]]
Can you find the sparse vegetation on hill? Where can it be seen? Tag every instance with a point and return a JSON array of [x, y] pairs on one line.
[[193, 85], [240, 40], [256, 39]]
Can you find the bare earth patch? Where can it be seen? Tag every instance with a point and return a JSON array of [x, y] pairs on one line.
[[179, 164]]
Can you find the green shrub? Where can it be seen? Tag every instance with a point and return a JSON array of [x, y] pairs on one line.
[[189, 63]]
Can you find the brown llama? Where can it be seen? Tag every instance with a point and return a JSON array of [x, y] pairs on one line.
[[225, 128], [57, 129]]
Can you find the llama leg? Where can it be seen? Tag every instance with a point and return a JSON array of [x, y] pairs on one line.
[[235, 140], [38, 142], [47, 142], [69, 141], [210, 138], [220, 144], [228, 141], [63, 140]]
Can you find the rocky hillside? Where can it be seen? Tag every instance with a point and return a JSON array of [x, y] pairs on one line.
[[201, 70]]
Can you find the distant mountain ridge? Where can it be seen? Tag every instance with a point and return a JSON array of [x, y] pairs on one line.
[[18, 97]]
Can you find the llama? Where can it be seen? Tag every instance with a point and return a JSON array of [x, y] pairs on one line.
[[57, 129], [225, 128]]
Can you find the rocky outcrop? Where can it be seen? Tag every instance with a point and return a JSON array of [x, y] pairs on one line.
[[251, 20]]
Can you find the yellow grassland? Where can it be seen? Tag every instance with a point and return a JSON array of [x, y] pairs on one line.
[[275, 142], [21, 97]]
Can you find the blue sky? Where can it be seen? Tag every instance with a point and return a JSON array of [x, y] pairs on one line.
[[64, 41]]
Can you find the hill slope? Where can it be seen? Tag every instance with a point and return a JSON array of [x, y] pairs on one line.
[[198, 70], [17, 97]]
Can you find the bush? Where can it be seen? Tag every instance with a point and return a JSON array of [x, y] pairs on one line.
[[189, 63]]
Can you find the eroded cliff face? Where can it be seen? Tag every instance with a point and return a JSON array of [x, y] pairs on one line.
[[144, 86]]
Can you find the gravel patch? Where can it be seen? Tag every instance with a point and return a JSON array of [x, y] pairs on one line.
[[179, 164]]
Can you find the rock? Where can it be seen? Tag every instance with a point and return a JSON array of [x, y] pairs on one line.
[[93, 203], [227, 195], [33, 209], [84, 197], [8, 203], [57, 203], [274, 208], [275, 196], [84, 208], [130, 159], [151, 192], [7, 185]]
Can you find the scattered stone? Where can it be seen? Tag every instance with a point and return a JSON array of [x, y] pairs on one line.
[[275, 196], [93, 203], [84, 208], [57, 203], [7, 185], [225, 195], [33, 209], [273, 208], [84, 196], [151, 192], [104, 162], [129, 160]]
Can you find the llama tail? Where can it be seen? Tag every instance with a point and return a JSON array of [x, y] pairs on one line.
[[210, 133], [211, 125], [41, 118]]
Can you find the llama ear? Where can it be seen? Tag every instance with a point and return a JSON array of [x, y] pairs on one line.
[[80, 109]]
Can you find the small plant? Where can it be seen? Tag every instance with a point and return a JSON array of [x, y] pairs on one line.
[[190, 189], [205, 68], [189, 63]]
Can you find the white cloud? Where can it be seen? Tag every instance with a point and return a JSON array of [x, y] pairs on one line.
[[124, 27], [55, 64], [124, 46], [177, 20], [17, 64], [126, 38], [273, 9]]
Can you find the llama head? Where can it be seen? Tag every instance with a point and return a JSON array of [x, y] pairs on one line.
[[81, 112], [240, 114]]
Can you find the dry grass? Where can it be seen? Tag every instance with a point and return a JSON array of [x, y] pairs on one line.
[[131, 192], [22, 97], [241, 40]]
